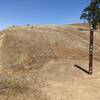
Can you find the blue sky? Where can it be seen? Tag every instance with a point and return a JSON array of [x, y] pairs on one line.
[[22, 12]]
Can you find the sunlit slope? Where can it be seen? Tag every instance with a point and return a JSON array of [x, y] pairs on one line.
[[38, 63], [21, 45]]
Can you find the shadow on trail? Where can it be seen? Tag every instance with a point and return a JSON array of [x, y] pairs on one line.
[[84, 70]]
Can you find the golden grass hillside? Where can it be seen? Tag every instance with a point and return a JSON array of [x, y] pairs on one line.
[[38, 63]]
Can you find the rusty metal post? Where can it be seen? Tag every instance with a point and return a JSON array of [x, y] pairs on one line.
[[91, 52]]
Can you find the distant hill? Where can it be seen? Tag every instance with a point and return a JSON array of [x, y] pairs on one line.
[[80, 26]]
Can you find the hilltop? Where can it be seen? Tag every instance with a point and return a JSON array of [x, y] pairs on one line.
[[39, 63]]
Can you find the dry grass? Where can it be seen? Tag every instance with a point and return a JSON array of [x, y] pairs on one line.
[[37, 63]]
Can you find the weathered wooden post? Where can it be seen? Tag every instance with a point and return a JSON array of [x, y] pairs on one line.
[[91, 52]]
